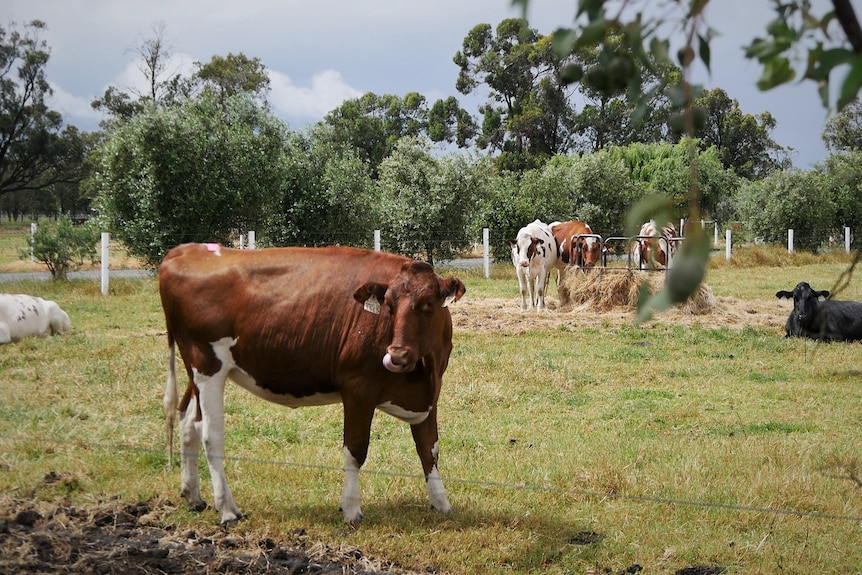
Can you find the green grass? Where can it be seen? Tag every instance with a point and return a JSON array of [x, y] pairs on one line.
[[678, 445]]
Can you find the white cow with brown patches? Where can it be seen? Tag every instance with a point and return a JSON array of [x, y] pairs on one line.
[[534, 255], [25, 315]]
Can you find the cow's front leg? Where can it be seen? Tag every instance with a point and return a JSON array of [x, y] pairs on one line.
[[357, 434], [425, 438], [522, 285]]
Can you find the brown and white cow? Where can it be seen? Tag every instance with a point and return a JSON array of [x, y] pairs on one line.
[[653, 248], [534, 255], [24, 315], [301, 327], [576, 245]]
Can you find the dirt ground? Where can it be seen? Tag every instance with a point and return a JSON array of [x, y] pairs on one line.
[[121, 537]]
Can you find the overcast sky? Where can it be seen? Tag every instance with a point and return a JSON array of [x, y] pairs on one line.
[[321, 52]]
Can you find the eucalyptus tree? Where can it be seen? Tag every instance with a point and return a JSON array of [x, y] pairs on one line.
[[743, 141], [843, 131], [527, 116], [36, 150]]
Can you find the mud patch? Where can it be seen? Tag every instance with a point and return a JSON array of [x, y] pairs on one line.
[[114, 538]]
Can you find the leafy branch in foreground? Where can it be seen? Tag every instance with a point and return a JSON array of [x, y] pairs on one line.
[[631, 44]]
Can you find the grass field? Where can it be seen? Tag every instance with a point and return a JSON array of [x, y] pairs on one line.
[[571, 441]]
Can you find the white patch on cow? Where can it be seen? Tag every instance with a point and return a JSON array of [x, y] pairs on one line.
[[350, 494], [211, 397], [436, 492], [411, 417], [247, 382]]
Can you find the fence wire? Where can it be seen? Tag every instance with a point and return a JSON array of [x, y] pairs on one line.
[[598, 495]]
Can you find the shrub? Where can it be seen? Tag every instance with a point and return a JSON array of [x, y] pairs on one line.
[[62, 247]]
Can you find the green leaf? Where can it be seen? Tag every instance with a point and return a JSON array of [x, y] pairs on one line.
[[703, 51], [852, 83], [776, 71], [657, 207], [659, 49], [683, 278], [564, 40], [592, 34]]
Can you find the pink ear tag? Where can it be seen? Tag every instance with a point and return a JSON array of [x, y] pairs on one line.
[[215, 248]]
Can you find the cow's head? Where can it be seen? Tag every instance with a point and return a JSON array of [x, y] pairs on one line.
[[587, 250], [415, 301], [805, 300], [524, 248], [651, 246]]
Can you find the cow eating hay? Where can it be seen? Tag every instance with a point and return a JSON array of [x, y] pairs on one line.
[[608, 289]]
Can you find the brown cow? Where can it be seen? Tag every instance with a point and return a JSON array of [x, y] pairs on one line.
[[582, 251], [300, 327]]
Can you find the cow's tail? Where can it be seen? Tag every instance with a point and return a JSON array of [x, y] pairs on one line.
[[170, 400]]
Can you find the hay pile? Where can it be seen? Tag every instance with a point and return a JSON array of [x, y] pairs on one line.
[[604, 289]]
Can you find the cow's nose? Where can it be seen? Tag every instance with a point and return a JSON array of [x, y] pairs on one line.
[[524, 263], [397, 359]]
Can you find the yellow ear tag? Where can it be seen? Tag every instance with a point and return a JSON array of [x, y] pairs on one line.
[[372, 305]]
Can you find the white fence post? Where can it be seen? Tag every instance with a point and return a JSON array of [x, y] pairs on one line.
[[847, 239], [790, 241], [727, 244], [486, 256], [32, 240], [251, 244], [376, 240], [106, 264], [715, 233]]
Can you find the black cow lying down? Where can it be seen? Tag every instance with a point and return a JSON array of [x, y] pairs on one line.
[[819, 318]]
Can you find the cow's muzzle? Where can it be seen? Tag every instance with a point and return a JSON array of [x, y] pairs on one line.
[[397, 360]]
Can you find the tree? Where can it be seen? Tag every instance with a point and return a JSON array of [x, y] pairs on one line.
[[424, 201], [190, 172], [527, 116], [841, 179], [790, 199], [36, 152], [154, 53], [328, 196], [373, 124], [743, 141], [609, 117], [643, 38], [843, 131], [232, 75]]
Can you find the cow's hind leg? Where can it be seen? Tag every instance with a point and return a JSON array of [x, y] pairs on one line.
[[425, 437], [211, 397], [190, 444]]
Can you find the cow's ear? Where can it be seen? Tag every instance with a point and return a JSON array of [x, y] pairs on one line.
[[511, 242], [370, 295], [823, 294], [452, 289], [783, 294]]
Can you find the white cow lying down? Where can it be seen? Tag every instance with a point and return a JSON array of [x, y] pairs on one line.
[[25, 315]]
